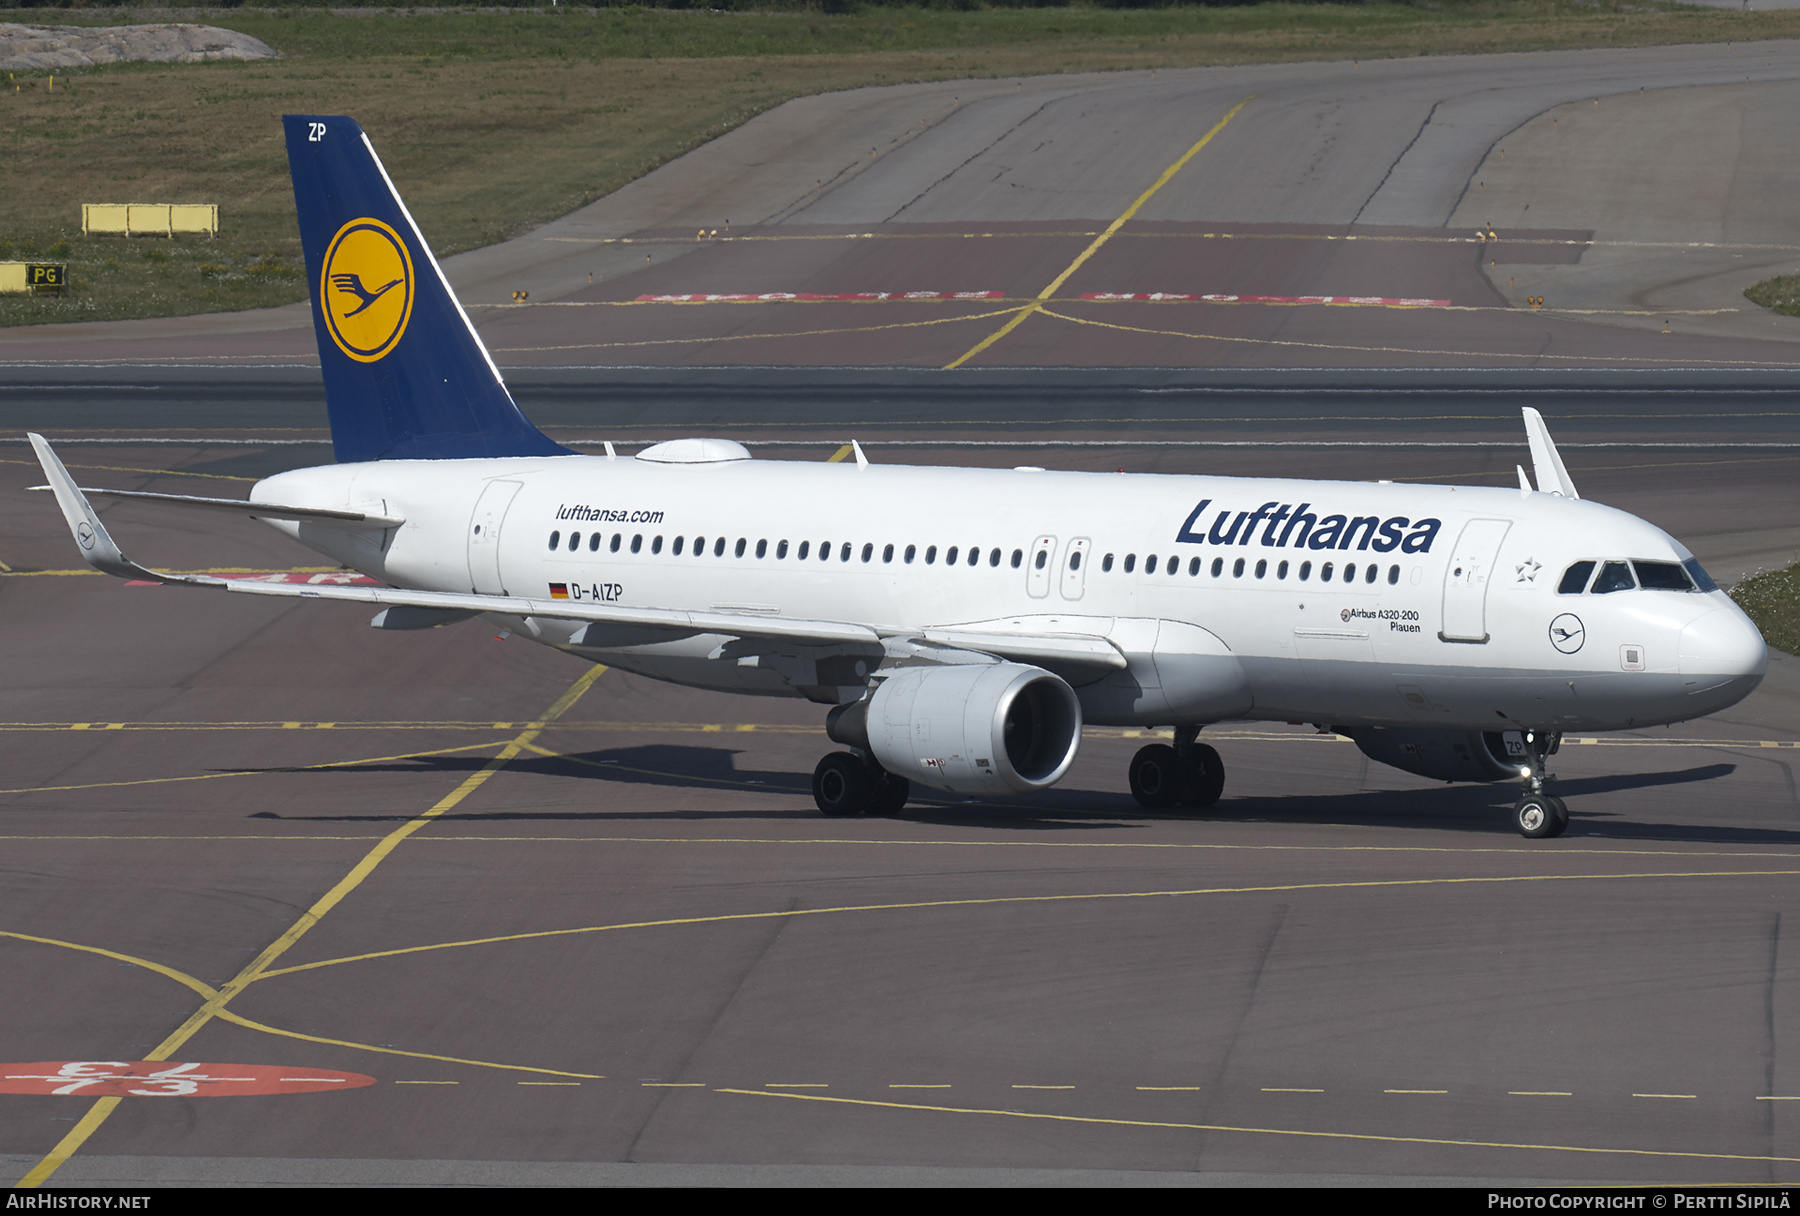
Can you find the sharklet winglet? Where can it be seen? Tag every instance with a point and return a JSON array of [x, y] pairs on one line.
[[1546, 462], [96, 544]]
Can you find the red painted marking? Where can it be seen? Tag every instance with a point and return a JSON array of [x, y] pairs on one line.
[[332, 578], [713, 298], [1382, 301], [167, 1079]]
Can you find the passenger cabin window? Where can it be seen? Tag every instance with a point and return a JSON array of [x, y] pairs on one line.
[[594, 543], [762, 548], [1130, 562], [574, 541], [887, 553], [738, 550], [718, 547], [555, 538], [617, 537], [637, 543], [1106, 564], [1018, 558], [677, 549], [1218, 566], [781, 550], [656, 545]]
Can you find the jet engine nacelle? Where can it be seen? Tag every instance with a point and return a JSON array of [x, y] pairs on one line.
[[983, 728], [1443, 755]]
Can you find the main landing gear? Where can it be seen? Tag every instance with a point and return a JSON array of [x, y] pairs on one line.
[[1537, 814], [1189, 773], [846, 784]]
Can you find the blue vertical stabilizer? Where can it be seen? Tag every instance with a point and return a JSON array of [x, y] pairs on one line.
[[406, 378]]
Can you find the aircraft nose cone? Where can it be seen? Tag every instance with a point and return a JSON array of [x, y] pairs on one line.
[[1722, 656]]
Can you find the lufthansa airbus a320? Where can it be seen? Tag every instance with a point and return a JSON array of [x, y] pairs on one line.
[[964, 624]]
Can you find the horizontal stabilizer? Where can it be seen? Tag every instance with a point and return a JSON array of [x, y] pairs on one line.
[[255, 510]]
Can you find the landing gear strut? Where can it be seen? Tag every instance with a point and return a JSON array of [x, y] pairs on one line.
[[1539, 815], [845, 784], [1190, 773]]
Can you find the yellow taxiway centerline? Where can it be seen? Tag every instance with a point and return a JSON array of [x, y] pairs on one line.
[[1094, 245], [215, 1005]]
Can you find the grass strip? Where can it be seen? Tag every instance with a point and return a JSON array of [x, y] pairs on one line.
[[1772, 600], [492, 123], [1781, 293]]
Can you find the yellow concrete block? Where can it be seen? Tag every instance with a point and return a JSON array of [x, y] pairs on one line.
[[12, 276]]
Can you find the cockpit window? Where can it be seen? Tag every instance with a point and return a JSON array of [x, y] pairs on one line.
[[1575, 578], [1614, 576], [1662, 576], [1701, 579]]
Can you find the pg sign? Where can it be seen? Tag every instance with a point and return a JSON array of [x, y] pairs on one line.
[[47, 277]]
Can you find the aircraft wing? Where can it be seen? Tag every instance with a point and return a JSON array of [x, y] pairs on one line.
[[1077, 654], [103, 553]]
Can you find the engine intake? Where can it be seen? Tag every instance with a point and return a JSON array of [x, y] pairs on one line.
[[986, 728]]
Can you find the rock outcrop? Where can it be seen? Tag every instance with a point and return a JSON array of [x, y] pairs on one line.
[[74, 46]]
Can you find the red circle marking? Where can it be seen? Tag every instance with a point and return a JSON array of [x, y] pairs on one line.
[[170, 1079]]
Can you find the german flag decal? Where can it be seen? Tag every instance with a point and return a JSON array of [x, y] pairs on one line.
[[559, 591]]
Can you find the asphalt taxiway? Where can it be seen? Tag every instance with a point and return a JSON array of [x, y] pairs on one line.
[[573, 924], [582, 928]]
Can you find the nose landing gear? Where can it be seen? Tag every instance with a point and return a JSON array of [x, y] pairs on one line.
[[1539, 815], [1190, 773]]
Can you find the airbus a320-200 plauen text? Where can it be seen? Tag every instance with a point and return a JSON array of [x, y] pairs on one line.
[[964, 624]]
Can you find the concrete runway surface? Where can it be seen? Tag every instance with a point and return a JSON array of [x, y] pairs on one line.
[[580, 928]]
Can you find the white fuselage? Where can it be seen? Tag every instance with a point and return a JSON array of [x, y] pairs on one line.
[[1336, 602]]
